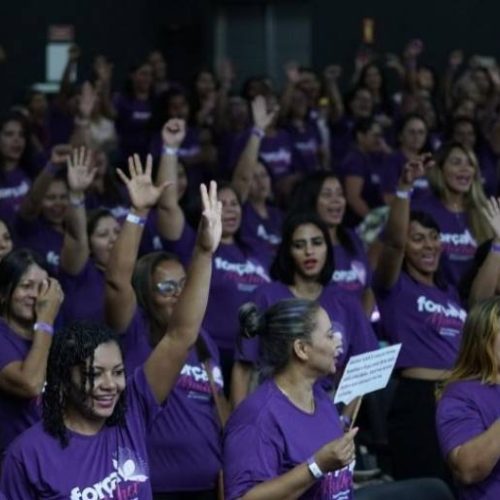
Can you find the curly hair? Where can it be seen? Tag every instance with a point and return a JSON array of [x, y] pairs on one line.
[[74, 346]]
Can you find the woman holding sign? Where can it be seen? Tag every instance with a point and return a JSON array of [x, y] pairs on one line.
[[420, 311], [468, 414], [286, 439]]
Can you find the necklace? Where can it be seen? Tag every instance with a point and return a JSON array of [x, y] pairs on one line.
[[311, 408]]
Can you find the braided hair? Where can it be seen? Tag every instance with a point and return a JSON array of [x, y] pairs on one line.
[[74, 346]]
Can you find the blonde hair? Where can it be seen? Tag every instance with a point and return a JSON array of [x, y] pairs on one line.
[[475, 199], [477, 359]]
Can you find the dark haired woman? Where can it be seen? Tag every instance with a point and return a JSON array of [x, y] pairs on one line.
[[29, 303], [92, 423], [302, 269], [420, 311], [468, 414], [322, 193], [288, 428]]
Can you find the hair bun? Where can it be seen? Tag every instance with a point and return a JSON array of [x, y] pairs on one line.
[[250, 320]]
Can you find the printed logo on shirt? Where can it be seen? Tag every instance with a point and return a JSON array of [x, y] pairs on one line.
[[310, 146], [247, 274], [194, 379], [375, 178], [448, 319], [337, 485], [15, 191], [350, 279], [189, 152], [52, 259], [278, 161], [270, 238], [129, 469], [459, 246], [141, 115]]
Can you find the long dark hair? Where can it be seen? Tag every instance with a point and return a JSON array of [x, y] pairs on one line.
[[27, 156], [74, 346]]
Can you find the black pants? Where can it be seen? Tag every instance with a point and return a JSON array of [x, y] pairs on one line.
[[412, 432], [186, 495]]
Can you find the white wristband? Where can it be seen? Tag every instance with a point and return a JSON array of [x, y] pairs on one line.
[[314, 469], [169, 151], [404, 195], [136, 219]]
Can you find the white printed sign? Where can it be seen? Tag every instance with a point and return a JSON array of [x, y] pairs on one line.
[[366, 373]]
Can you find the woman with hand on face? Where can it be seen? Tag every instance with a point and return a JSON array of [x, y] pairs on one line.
[[94, 421], [302, 269], [468, 413], [456, 202], [289, 429], [29, 303], [422, 312], [87, 245]]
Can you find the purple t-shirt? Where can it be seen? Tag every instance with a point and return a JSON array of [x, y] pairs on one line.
[[111, 464], [488, 164], [306, 144], [352, 269], [276, 152], [427, 320], [135, 341], [466, 410], [459, 245], [341, 139], [13, 188], [267, 232], [39, 236], [267, 436], [345, 313], [83, 294], [185, 442], [16, 414]]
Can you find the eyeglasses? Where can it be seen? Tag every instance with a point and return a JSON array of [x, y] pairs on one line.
[[170, 287]]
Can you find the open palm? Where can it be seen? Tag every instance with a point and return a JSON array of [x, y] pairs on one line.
[[80, 174], [143, 193], [492, 213]]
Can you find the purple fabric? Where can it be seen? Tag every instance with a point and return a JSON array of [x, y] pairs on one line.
[[306, 145], [185, 446], [151, 240], [13, 188], [341, 139], [132, 125], [428, 322], [41, 237], [352, 269], [183, 247], [488, 164], [267, 435], [266, 231], [16, 414], [135, 341], [345, 313], [118, 203], [459, 246], [111, 464], [466, 410], [61, 125], [395, 163], [83, 294], [276, 152]]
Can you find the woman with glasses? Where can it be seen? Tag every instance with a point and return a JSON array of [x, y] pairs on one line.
[[184, 444]]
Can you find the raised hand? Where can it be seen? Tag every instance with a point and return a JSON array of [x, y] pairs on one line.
[[60, 154], [415, 169], [492, 214], [261, 117], [80, 174], [338, 453], [210, 228], [174, 132], [49, 300], [88, 98], [143, 193]]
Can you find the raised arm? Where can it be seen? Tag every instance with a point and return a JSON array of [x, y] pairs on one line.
[[120, 296], [25, 379], [165, 362], [32, 204], [171, 218], [486, 279], [396, 231], [243, 173], [75, 250]]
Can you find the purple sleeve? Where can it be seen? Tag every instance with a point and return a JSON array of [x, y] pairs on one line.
[[184, 246], [14, 479], [8, 354], [352, 166], [457, 421], [260, 462], [362, 337]]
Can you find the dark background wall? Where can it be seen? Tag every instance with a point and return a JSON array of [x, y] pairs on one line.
[[125, 30]]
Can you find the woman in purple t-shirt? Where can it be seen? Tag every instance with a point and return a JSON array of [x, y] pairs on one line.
[[420, 311], [29, 303], [289, 429], [322, 193], [91, 423], [468, 412]]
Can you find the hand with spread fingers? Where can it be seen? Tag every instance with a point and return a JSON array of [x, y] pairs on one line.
[[80, 174], [262, 118], [492, 214]]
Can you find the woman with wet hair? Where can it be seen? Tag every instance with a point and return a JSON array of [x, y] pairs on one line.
[[289, 429]]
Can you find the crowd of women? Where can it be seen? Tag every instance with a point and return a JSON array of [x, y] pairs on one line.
[[185, 272]]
